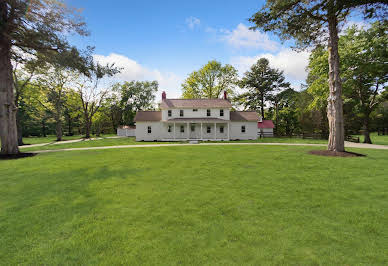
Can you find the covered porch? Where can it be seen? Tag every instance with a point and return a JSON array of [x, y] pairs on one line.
[[213, 129]]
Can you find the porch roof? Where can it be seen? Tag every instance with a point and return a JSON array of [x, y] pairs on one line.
[[187, 120]]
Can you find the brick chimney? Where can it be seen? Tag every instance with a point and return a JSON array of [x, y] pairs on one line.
[[163, 95], [225, 95]]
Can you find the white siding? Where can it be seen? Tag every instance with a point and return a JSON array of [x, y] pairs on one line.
[[250, 130], [126, 132], [159, 131], [201, 113], [142, 131]]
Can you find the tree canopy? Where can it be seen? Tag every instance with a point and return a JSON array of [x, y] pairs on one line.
[[260, 82], [210, 81], [316, 22]]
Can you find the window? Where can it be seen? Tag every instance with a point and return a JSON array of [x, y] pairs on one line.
[[169, 129], [180, 112], [242, 129], [149, 130], [208, 130], [192, 128], [221, 129], [195, 110], [222, 112], [208, 113], [182, 129], [169, 112]]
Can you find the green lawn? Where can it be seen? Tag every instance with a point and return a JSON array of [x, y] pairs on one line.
[[132, 141], [53, 138], [92, 143], [214, 205], [376, 139]]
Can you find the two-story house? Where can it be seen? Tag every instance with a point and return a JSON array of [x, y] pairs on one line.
[[195, 119]]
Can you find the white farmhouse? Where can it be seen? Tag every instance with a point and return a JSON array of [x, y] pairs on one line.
[[196, 119]]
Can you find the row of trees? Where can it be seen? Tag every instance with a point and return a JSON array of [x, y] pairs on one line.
[[364, 76], [56, 99], [46, 84]]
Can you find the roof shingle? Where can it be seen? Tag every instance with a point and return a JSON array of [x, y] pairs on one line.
[[148, 116], [195, 103], [244, 116]]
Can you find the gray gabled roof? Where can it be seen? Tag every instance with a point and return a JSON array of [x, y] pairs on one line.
[[148, 116], [195, 103], [244, 116]]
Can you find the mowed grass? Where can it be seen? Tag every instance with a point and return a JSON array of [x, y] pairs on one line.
[[212, 205], [53, 138], [132, 141], [93, 143]]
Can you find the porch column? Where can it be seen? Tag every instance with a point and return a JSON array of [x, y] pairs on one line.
[[215, 131], [188, 130], [228, 132], [174, 130], [201, 130]]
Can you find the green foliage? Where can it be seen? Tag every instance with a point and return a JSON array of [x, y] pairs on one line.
[[364, 70], [210, 81], [134, 96], [260, 82], [306, 22]]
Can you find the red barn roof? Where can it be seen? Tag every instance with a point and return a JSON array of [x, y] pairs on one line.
[[265, 124]]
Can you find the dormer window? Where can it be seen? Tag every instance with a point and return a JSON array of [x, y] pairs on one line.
[[181, 113], [169, 113], [208, 112], [222, 112]]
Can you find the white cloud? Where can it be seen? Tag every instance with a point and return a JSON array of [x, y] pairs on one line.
[[132, 70], [359, 24], [193, 22], [243, 37], [291, 62]]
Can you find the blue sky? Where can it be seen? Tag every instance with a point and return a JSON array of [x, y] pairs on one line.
[[166, 40]]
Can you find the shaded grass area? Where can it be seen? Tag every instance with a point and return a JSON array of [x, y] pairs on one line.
[[376, 139], [195, 205]]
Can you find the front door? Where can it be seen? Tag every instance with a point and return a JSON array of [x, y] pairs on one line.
[[194, 131]]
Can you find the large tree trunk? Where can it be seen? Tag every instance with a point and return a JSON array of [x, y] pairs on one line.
[[19, 130], [366, 130], [334, 106], [58, 129], [44, 128], [88, 125], [262, 108], [8, 128]]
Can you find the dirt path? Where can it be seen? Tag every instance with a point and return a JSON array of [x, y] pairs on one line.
[[347, 144]]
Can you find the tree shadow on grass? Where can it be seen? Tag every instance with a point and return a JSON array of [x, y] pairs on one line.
[[17, 156]]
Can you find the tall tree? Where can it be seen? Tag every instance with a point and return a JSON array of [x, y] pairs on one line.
[[365, 54], [27, 27], [286, 116], [308, 23], [91, 92], [261, 81], [135, 96], [210, 81], [364, 70], [54, 83]]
